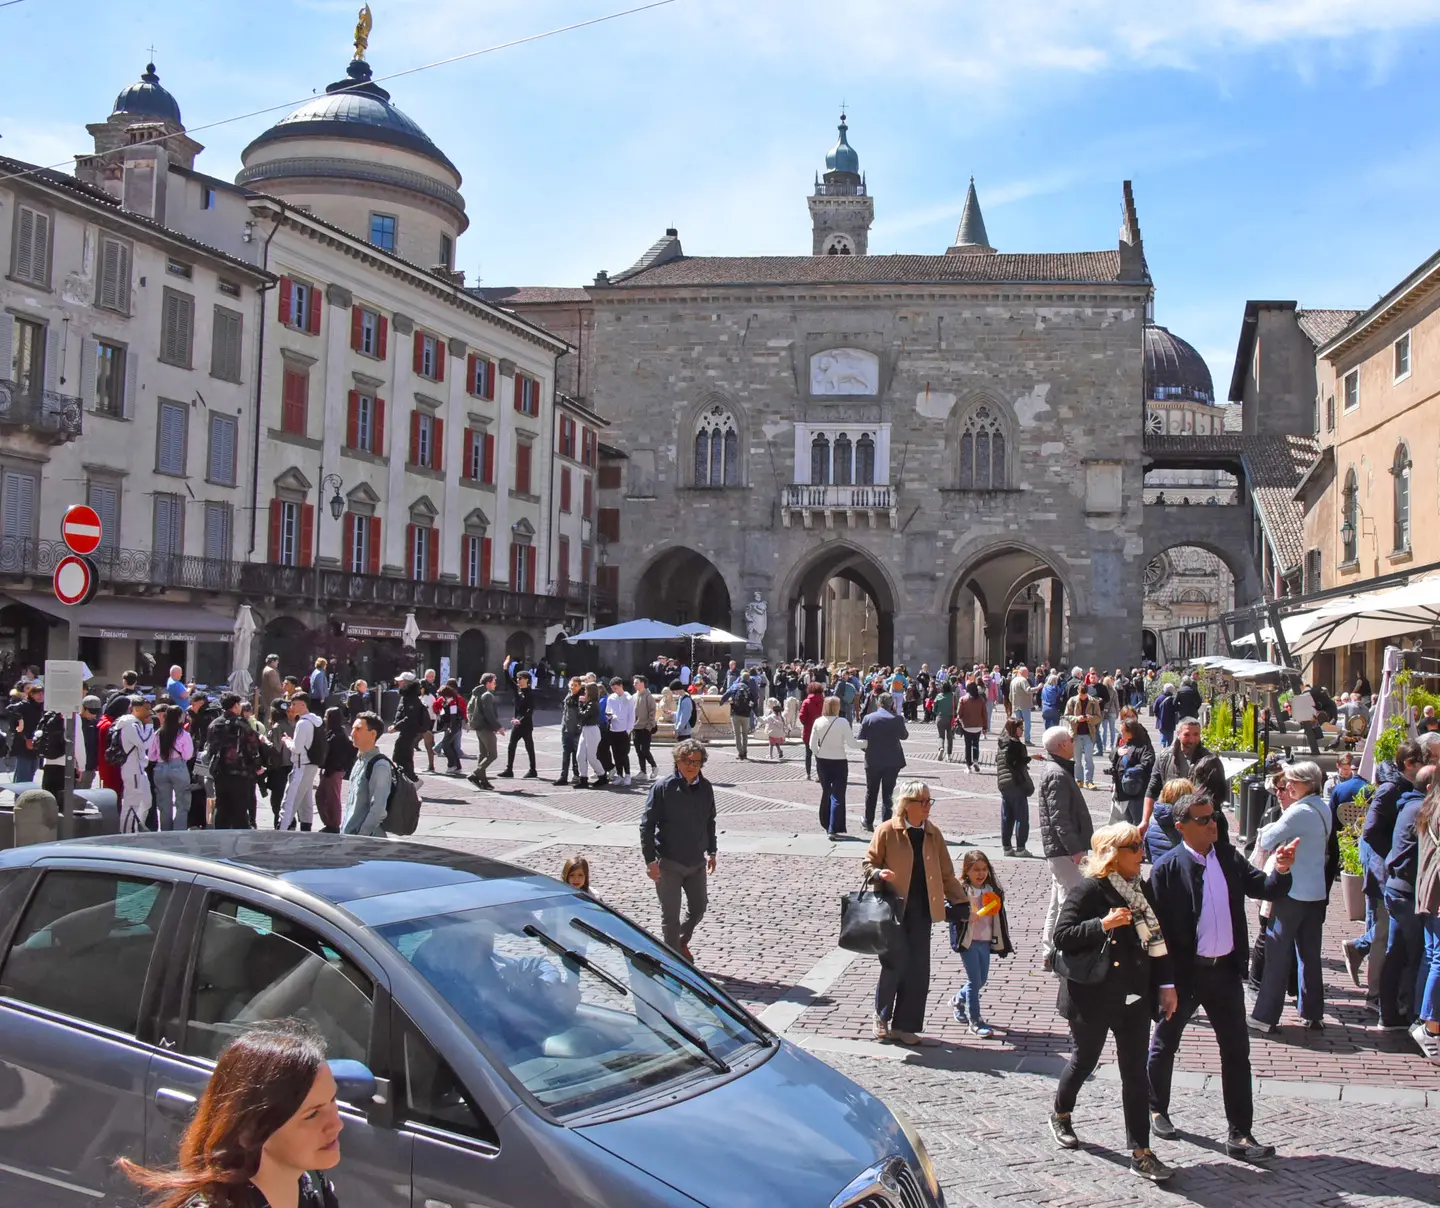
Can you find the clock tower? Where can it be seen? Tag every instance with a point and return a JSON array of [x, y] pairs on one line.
[[841, 210]]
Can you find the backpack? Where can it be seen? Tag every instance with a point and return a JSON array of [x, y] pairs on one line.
[[115, 752], [402, 807], [740, 702], [319, 745], [50, 741], [229, 755]]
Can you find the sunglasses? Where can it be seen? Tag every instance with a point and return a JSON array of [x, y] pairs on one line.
[[1202, 819], [1128, 846]]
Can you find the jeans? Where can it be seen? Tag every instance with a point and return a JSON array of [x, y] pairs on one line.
[[1131, 1026], [642, 752], [448, 745], [1014, 816], [947, 738], [904, 983], [879, 782], [1065, 875], [26, 763], [172, 793], [1217, 988], [569, 754], [833, 774], [1293, 933], [1084, 759], [1107, 734], [972, 748], [676, 879], [1429, 979], [524, 732], [976, 960], [1402, 958], [1025, 718], [740, 726]]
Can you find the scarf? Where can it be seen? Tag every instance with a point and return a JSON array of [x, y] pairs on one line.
[[1147, 926]]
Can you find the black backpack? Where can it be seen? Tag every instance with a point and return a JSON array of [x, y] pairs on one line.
[[50, 739], [233, 751], [319, 744], [740, 702], [402, 806], [115, 752]]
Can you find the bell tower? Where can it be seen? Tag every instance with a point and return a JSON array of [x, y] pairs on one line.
[[841, 210]]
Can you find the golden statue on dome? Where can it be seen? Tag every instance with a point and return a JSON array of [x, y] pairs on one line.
[[362, 31]]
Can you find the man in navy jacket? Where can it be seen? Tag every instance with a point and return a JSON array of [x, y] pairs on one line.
[[1200, 887]]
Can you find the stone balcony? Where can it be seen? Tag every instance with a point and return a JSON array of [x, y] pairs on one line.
[[52, 417], [869, 505]]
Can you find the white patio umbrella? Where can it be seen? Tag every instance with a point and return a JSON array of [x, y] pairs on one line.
[[1371, 616], [242, 640], [698, 631], [1387, 704], [640, 630]]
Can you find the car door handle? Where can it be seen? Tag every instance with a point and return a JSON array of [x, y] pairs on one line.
[[178, 1105]]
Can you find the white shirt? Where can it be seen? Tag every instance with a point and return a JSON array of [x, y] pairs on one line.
[[299, 742], [620, 712], [685, 676]]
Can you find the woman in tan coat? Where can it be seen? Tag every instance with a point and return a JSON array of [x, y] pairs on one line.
[[908, 854]]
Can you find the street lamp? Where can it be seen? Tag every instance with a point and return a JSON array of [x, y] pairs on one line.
[[337, 509]]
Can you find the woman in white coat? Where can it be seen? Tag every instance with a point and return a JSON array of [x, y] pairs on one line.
[[830, 740]]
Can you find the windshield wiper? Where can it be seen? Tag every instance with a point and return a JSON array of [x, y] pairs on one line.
[[581, 961], [654, 968]]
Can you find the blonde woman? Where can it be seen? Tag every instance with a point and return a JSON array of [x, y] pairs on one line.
[[908, 855], [1113, 967], [830, 740]]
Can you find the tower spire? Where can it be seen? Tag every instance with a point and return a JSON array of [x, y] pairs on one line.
[[970, 237]]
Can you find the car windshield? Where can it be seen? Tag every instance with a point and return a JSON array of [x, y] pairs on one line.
[[583, 1008]]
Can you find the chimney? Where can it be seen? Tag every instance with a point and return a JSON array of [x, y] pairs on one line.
[[146, 172]]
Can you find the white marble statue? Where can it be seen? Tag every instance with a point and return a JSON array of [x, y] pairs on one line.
[[755, 622]]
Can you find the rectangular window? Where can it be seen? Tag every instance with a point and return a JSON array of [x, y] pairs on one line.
[[114, 289], [429, 357], [170, 438], [292, 532], [109, 379], [365, 328], [566, 489], [294, 401], [607, 524], [220, 460], [217, 532], [1329, 413], [481, 377], [104, 497], [207, 197], [427, 434], [229, 288], [382, 231], [299, 303], [567, 436], [447, 251], [474, 559], [29, 358], [522, 567], [522, 466], [359, 544], [364, 422], [424, 552], [584, 564], [225, 345], [19, 501], [587, 497], [562, 573], [1352, 390], [178, 268], [177, 328], [527, 395], [1402, 357], [587, 446], [30, 259], [169, 531]]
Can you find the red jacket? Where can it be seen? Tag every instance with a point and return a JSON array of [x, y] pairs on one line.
[[109, 773], [810, 710]]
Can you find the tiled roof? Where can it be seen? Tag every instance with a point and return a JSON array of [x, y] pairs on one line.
[[1038, 268], [519, 295], [1322, 326]]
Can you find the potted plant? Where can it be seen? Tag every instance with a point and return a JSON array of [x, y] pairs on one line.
[[1352, 873]]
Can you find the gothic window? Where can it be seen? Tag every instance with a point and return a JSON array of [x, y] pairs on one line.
[[1350, 518], [982, 451], [865, 461], [843, 451], [820, 459], [838, 245], [1400, 471], [717, 449]]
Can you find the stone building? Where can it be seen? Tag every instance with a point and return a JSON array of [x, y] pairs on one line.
[[957, 437]]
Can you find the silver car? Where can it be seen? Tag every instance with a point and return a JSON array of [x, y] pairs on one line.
[[503, 1041]]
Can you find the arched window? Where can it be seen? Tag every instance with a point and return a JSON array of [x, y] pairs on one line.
[[842, 462], [982, 450], [865, 461], [820, 460], [1350, 518], [1400, 470], [717, 449]]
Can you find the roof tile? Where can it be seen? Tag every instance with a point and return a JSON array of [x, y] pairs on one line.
[[1322, 326]]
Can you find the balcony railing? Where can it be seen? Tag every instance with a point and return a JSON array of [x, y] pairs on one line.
[[57, 416], [338, 588], [852, 502]]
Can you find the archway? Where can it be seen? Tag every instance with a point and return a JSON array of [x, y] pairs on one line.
[[521, 647], [470, 655], [291, 640], [681, 586], [840, 607], [1188, 588], [1008, 605]]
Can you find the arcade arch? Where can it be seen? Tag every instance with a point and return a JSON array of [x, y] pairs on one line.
[[1009, 604], [840, 606], [682, 585]]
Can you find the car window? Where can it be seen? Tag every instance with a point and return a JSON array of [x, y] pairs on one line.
[[255, 966], [434, 1096], [84, 946]]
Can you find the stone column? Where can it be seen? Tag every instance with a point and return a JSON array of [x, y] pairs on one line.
[[1057, 622]]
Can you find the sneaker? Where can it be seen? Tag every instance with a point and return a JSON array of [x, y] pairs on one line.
[[580, 784], [1160, 1125], [899, 1037], [1427, 1041], [1244, 1147], [1148, 1166], [880, 1029], [532, 774], [628, 780], [562, 780], [1318, 1025], [1354, 958], [1009, 851], [1257, 1025], [1382, 1026], [1063, 1133], [1023, 853], [507, 774], [600, 782], [958, 1003], [983, 1030]]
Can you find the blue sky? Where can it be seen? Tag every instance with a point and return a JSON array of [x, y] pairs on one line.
[[1279, 149]]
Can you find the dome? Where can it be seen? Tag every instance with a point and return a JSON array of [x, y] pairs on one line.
[[355, 108], [147, 99], [842, 157], [1173, 369]]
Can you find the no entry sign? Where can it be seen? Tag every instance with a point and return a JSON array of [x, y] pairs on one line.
[[76, 580], [81, 529]]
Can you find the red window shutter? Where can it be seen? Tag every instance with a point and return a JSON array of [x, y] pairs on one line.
[[522, 467], [485, 556], [348, 552], [316, 296], [277, 525], [378, 426], [471, 363], [564, 570], [374, 567], [352, 421], [307, 533], [490, 380], [434, 558], [510, 567], [419, 350], [467, 453], [382, 340], [437, 443], [588, 497], [287, 299], [357, 326], [530, 568], [409, 551], [565, 489], [487, 468], [294, 392], [414, 455], [519, 392]]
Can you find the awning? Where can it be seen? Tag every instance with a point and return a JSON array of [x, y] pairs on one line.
[[135, 619], [1292, 627], [1372, 616], [396, 631], [1241, 668]]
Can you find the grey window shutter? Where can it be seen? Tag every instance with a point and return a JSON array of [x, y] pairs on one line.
[[172, 439], [217, 531], [109, 273], [122, 279], [105, 499], [88, 370], [187, 328], [25, 244], [168, 324], [19, 504], [54, 363], [168, 517], [41, 248], [7, 347], [132, 366], [222, 450]]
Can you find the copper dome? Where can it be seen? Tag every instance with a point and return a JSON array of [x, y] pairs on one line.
[[1173, 369]]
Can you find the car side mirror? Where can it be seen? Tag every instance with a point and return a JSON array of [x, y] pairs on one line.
[[354, 1083]]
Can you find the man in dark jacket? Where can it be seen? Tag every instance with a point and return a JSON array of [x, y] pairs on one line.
[[25, 715], [233, 762], [570, 731], [1200, 887], [1175, 762], [523, 727], [1166, 714], [1376, 836], [1065, 827], [485, 720], [677, 840], [882, 732], [1188, 702], [1406, 942]]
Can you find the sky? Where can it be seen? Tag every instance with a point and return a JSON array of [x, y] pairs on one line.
[[1279, 148]]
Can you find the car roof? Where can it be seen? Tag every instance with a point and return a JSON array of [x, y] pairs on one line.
[[338, 868]]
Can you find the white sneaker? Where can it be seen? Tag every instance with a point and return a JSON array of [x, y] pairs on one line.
[[628, 781]]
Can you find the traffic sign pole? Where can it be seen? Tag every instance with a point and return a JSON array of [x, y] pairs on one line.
[[76, 581]]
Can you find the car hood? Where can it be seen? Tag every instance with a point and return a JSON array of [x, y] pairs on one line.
[[792, 1131]]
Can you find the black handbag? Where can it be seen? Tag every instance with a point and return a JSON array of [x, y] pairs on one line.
[[870, 922], [1088, 968]]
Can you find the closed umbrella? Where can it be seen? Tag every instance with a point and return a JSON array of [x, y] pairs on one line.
[[1387, 705], [410, 634], [242, 640]]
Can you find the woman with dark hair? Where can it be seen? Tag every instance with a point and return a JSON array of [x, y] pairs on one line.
[[811, 709], [974, 720], [1131, 763], [277, 766], [1012, 774], [267, 1119], [109, 773], [170, 750], [339, 759]]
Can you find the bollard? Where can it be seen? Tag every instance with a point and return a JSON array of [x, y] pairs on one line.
[[37, 818]]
